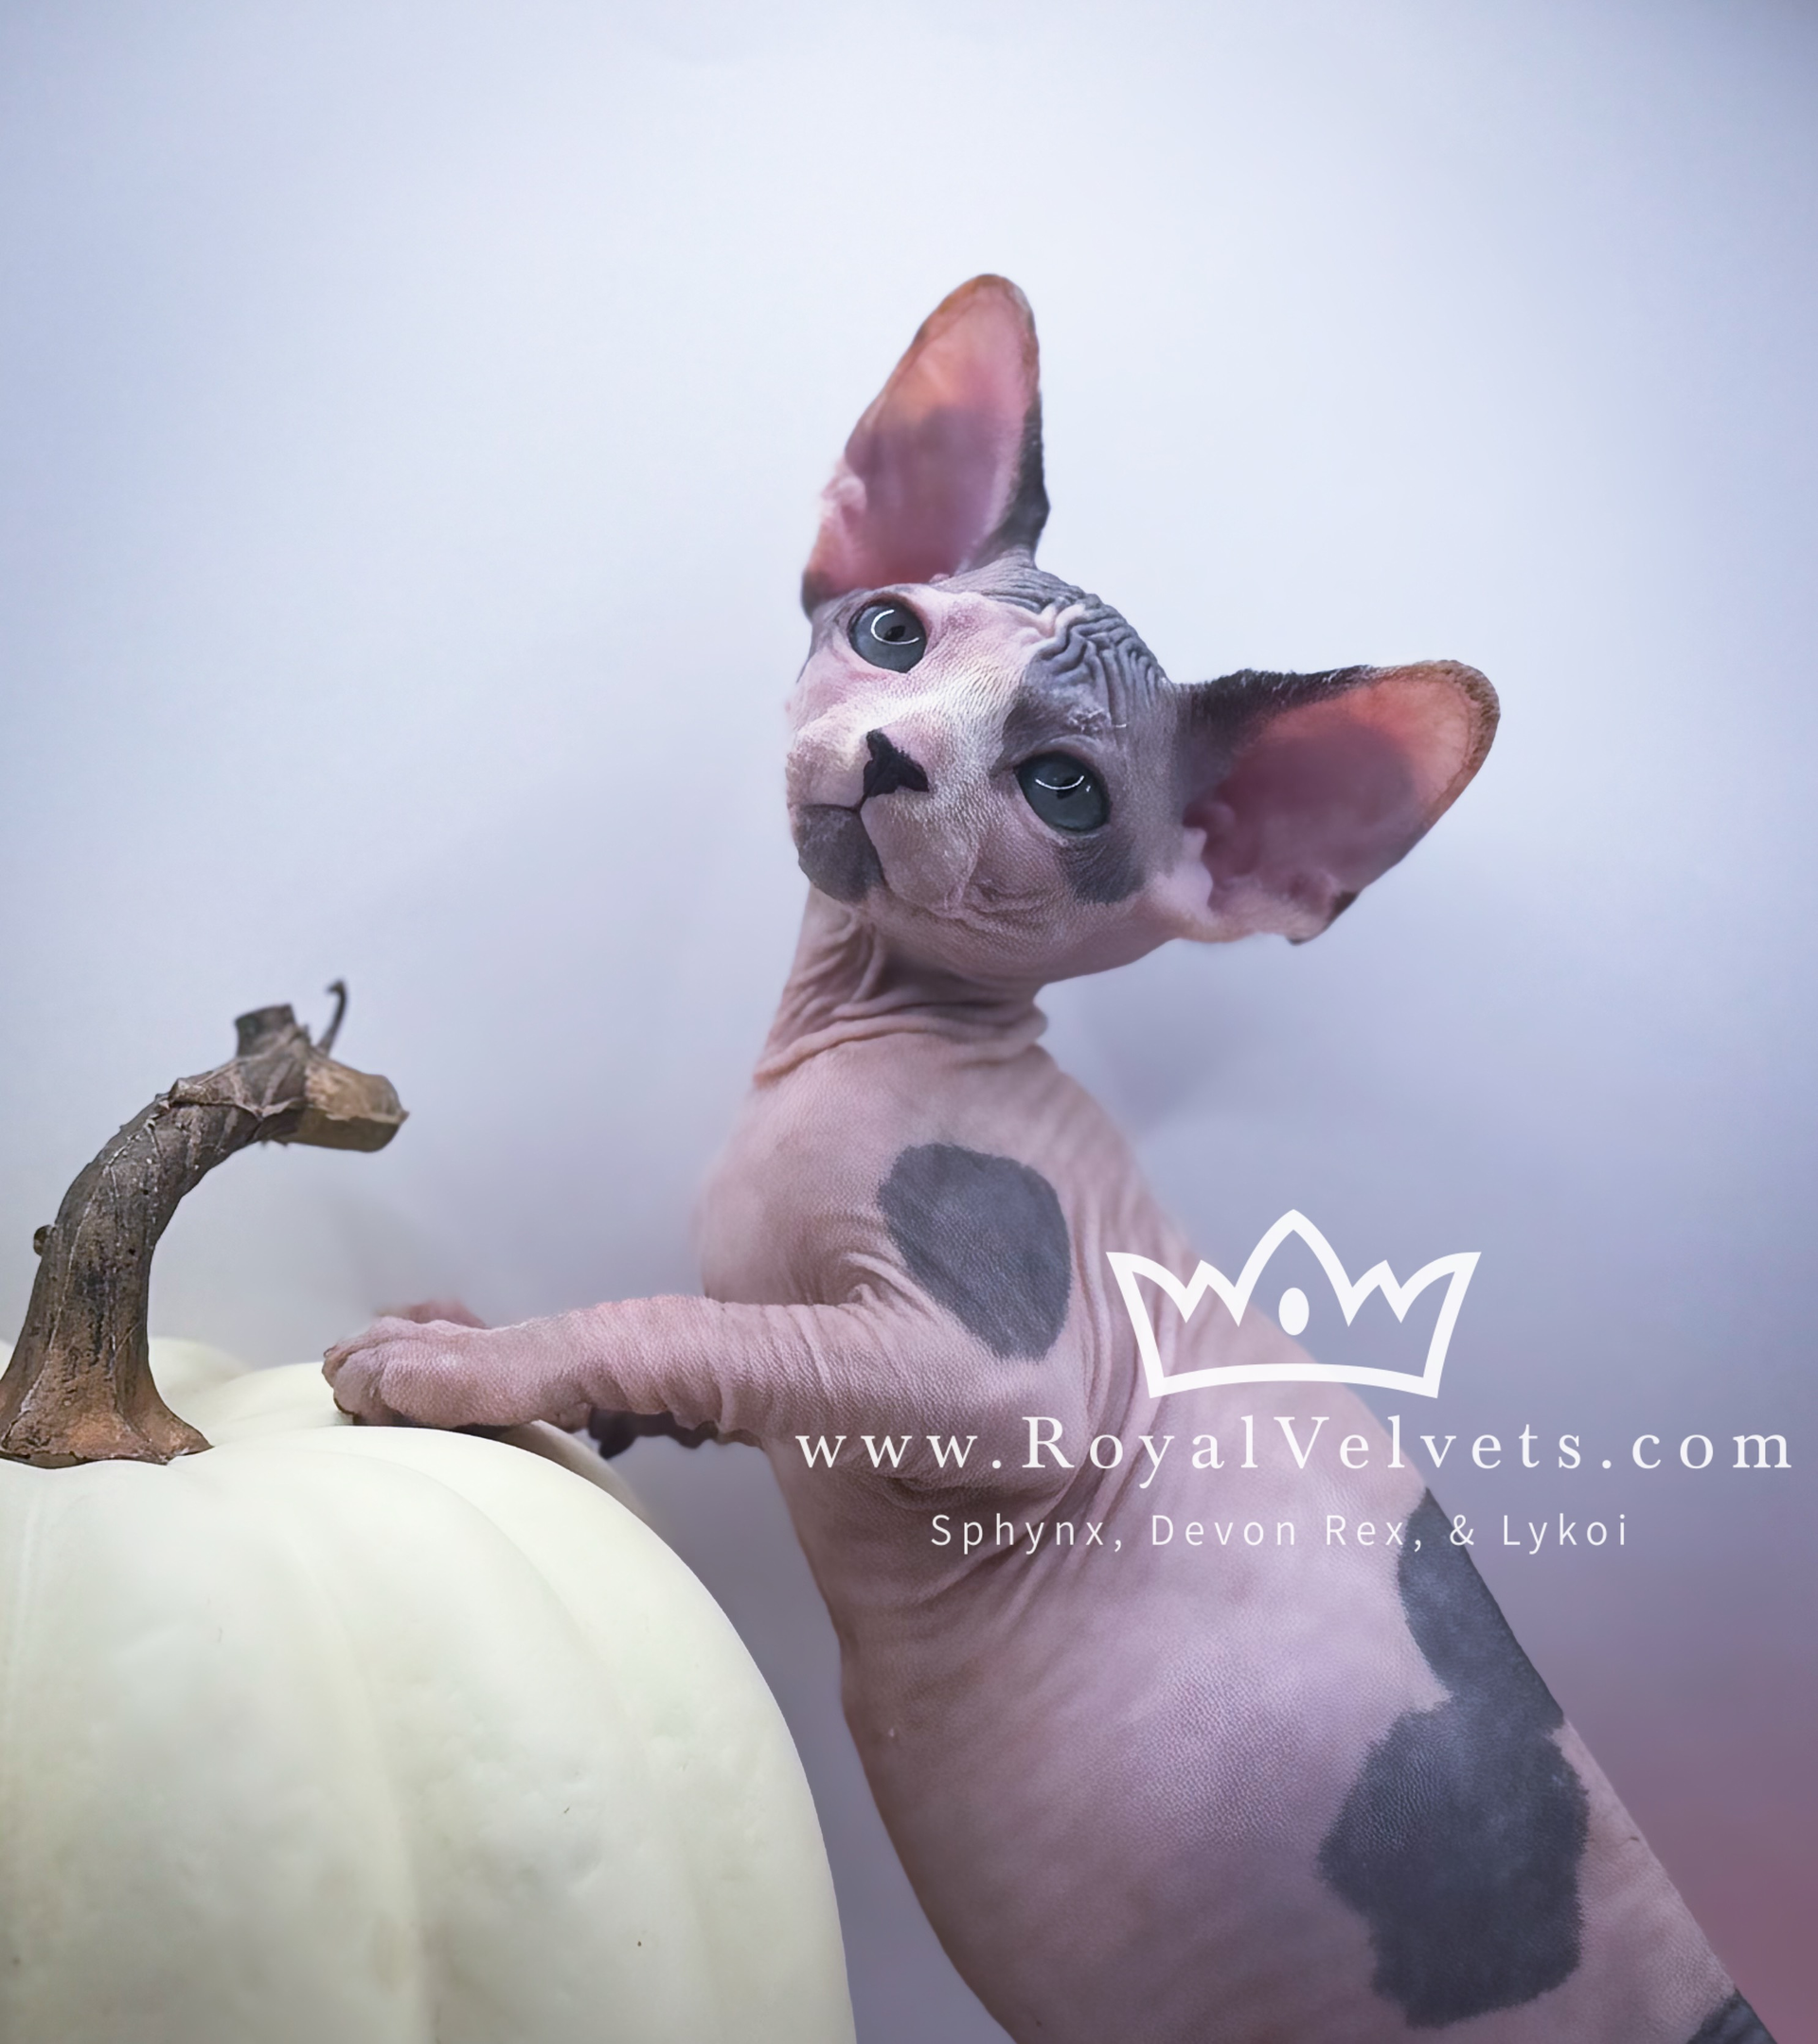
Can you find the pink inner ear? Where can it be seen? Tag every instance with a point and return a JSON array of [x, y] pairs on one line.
[[1331, 794], [933, 467]]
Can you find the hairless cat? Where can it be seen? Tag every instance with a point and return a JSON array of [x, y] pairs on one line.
[[1261, 1794]]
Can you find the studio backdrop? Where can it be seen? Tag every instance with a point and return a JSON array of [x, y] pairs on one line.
[[412, 419]]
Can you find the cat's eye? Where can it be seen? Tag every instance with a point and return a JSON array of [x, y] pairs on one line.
[[888, 635], [1063, 792]]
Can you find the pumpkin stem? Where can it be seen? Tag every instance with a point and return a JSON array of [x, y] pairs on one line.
[[78, 1388]]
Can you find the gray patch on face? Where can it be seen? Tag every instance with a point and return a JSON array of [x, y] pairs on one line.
[[1459, 1842], [1102, 867], [1735, 2022], [1096, 676], [1014, 578], [835, 850], [987, 1239], [1035, 722], [1099, 651]]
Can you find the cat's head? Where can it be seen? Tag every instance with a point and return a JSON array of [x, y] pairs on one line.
[[989, 764]]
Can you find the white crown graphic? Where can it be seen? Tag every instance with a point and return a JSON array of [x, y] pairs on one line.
[[1351, 1294]]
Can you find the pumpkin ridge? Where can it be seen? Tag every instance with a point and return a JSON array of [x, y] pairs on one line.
[[378, 1454]]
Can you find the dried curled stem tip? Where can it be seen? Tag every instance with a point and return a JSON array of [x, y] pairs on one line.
[[78, 1388], [339, 989]]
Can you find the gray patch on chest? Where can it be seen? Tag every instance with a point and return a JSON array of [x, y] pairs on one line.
[[1735, 2022], [1459, 1842], [985, 1239]]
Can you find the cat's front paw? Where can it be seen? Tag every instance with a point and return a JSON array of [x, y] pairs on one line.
[[442, 1374]]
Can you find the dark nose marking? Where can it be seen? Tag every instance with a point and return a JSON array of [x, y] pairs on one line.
[[890, 769]]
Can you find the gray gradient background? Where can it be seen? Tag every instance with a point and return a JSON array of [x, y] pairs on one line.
[[412, 419]]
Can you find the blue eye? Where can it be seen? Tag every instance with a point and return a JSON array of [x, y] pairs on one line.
[[1064, 793], [888, 635]]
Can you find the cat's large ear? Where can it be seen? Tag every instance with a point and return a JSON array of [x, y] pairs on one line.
[[1299, 789], [944, 470]]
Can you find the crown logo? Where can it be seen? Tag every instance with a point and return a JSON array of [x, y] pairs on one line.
[[1292, 1312]]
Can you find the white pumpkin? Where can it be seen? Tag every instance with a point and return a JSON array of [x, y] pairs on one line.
[[342, 1735]]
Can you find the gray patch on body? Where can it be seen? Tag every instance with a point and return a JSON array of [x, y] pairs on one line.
[[987, 1238], [1735, 2022], [834, 848], [1459, 1842]]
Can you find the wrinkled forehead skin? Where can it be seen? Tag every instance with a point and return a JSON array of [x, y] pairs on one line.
[[961, 872]]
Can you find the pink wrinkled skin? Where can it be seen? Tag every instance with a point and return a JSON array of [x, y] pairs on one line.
[[1110, 1773]]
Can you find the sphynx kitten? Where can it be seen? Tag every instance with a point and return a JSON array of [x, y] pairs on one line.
[[1145, 1795]]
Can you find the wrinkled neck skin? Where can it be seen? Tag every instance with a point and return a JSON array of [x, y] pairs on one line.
[[849, 983]]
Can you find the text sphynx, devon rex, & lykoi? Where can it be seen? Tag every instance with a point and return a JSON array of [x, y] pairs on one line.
[[1262, 1795]]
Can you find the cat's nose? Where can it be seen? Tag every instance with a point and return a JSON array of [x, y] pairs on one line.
[[889, 769]]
